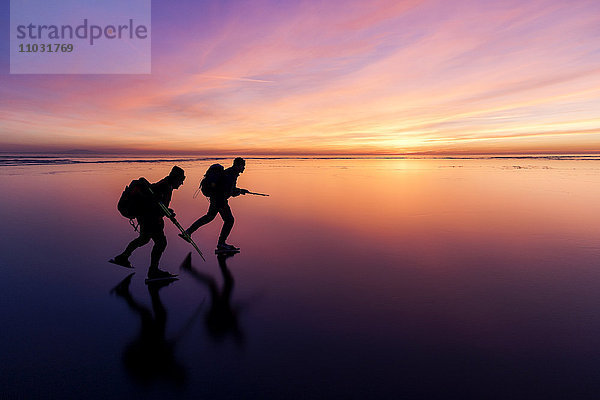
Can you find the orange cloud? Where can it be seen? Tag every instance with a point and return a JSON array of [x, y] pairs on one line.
[[383, 77]]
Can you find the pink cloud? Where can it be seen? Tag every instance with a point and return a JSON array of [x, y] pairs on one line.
[[386, 75]]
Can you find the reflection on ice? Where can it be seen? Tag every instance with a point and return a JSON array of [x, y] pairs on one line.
[[378, 278]]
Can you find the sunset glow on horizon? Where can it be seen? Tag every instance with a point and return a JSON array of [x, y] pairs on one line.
[[309, 77]]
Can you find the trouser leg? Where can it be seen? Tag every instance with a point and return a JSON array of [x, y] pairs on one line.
[[160, 244], [210, 215], [152, 227], [134, 244], [228, 221]]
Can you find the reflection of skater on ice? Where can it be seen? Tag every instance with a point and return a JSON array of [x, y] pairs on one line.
[[150, 356], [222, 317]]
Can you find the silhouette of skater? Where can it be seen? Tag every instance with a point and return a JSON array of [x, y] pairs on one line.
[[219, 204], [150, 356], [222, 318], [152, 225]]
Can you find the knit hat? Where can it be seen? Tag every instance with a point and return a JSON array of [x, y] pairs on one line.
[[177, 172]]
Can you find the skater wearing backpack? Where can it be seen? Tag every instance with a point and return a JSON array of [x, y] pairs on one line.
[[140, 200], [219, 185]]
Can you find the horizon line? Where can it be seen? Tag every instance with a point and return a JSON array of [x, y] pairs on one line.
[[237, 153]]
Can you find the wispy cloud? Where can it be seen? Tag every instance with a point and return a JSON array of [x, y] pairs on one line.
[[231, 78], [386, 76]]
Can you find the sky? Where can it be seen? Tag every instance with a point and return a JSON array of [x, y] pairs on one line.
[[324, 77]]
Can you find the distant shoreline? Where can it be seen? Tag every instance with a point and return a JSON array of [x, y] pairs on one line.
[[8, 159]]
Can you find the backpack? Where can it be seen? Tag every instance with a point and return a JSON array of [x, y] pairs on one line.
[[211, 183], [135, 199]]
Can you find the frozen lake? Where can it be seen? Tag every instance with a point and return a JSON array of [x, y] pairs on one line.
[[358, 278]]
